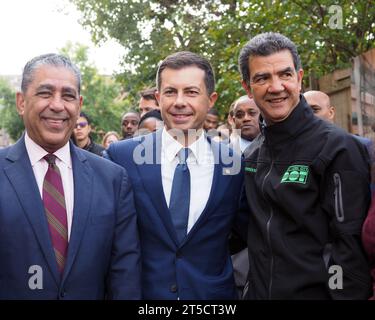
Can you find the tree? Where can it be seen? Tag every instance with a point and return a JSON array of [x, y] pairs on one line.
[[102, 96], [217, 29], [9, 118]]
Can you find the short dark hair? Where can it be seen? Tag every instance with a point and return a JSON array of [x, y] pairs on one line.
[[84, 115], [151, 114], [149, 94], [50, 59], [129, 111], [213, 111], [185, 59], [264, 45]]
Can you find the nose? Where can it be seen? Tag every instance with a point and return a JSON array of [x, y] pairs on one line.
[[276, 85], [180, 100], [57, 103], [247, 117]]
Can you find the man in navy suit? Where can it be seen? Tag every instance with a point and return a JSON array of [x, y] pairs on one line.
[[67, 218], [186, 189]]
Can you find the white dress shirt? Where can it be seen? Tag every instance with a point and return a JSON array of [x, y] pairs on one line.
[[244, 144], [63, 162], [201, 167]]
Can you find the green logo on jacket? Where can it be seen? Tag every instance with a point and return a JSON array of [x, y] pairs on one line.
[[296, 174]]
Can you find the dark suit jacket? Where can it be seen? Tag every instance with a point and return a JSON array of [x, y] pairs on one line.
[[103, 254], [200, 266]]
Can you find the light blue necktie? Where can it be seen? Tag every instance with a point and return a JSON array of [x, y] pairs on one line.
[[180, 195]]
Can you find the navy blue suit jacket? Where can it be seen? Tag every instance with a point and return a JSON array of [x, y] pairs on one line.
[[200, 266], [103, 254]]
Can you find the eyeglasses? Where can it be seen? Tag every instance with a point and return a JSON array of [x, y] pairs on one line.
[[81, 124]]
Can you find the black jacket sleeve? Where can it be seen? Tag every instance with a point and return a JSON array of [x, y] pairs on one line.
[[345, 192]]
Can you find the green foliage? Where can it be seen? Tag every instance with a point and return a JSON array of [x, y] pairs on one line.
[[101, 94], [9, 118], [217, 29]]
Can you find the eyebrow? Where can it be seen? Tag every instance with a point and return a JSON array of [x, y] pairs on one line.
[[267, 74], [187, 88], [192, 87], [52, 88], [287, 69]]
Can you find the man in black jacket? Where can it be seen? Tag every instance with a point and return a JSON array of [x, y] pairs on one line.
[[307, 185]]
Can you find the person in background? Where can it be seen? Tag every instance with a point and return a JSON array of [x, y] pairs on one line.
[[129, 124], [245, 117], [150, 122], [82, 137], [148, 101], [320, 103], [322, 107], [212, 120], [110, 137]]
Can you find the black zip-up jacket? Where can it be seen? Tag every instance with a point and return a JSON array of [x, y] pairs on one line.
[[307, 185]]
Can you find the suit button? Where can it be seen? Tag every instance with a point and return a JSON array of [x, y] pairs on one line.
[[62, 294], [173, 288]]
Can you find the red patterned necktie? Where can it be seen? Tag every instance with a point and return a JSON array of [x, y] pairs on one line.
[[54, 205]]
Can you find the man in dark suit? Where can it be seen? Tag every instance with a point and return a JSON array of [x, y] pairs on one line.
[[67, 218], [186, 189]]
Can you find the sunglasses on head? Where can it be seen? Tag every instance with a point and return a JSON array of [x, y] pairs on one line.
[[81, 125]]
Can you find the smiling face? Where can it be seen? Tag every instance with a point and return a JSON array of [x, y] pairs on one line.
[[50, 106], [183, 98], [275, 85]]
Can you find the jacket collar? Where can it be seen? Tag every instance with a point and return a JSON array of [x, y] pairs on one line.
[[300, 119]]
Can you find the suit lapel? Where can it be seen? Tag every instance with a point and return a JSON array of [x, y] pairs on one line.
[[21, 176], [152, 182], [219, 187], [82, 175]]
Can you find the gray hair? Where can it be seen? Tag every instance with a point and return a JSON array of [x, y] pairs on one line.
[[50, 59], [183, 59], [264, 45]]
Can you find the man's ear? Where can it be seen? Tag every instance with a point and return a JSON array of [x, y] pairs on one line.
[[20, 103], [300, 73], [247, 88], [80, 103], [332, 113], [213, 97], [157, 96]]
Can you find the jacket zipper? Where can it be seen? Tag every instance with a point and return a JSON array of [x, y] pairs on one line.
[[268, 226], [339, 208]]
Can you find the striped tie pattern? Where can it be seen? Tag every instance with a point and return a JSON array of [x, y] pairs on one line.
[[54, 206]]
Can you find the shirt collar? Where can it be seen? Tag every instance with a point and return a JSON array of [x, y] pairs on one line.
[[171, 147], [36, 152], [244, 144]]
